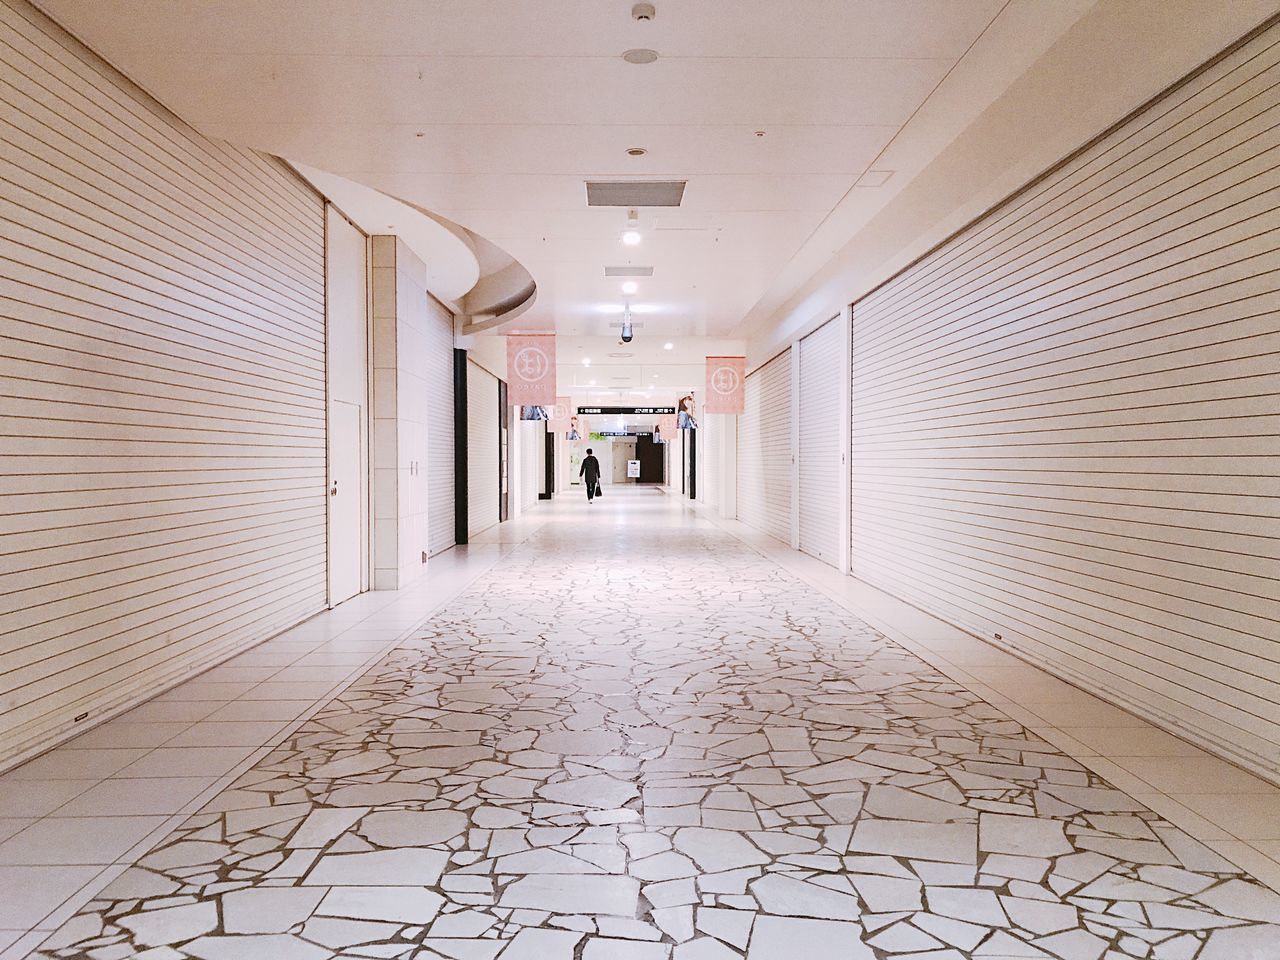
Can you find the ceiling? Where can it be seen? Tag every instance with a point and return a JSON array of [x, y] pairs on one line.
[[492, 114]]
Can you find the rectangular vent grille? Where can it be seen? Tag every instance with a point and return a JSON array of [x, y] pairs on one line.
[[628, 271], [635, 193]]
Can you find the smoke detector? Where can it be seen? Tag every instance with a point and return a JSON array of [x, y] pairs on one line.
[[644, 12]]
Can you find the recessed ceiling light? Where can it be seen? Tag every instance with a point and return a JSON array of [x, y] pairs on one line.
[[636, 151], [640, 55], [667, 346], [593, 383], [631, 237], [586, 361], [630, 286]]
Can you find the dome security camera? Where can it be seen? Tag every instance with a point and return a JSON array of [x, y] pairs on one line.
[[628, 334], [643, 12]]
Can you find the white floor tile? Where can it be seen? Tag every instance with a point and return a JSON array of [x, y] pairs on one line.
[[76, 763], [32, 892], [36, 798], [1203, 774], [77, 840], [186, 761], [136, 796], [122, 734], [227, 733]]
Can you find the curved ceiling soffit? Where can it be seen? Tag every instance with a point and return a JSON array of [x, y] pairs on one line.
[[475, 277], [504, 289]]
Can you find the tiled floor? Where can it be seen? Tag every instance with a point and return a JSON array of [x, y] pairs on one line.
[[634, 737]]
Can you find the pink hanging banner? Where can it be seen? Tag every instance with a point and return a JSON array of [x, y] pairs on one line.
[[531, 369], [725, 385], [559, 416]]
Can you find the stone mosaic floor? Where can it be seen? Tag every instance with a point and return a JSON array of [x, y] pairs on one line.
[[639, 740]]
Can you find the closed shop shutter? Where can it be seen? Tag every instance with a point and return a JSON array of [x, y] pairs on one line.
[[1066, 417], [821, 446], [764, 450], [163, 367]]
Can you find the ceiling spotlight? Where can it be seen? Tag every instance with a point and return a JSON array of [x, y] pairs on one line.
[[667, 346], [640, 55], [630, 286], [593, 383], [631, 237], [586, 361], [636, 151]]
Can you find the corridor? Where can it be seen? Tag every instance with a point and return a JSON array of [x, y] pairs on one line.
[[635, 737]]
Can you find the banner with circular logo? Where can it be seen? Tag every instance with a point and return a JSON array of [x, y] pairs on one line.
[[726, 377], [559, 416], [531, 369]]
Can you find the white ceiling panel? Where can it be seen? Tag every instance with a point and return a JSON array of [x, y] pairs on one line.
[[577, 90], [551, 28], [586, 150], [493, 113]]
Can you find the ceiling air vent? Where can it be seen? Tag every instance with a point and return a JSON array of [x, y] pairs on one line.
[[628, 271], [635, 193]]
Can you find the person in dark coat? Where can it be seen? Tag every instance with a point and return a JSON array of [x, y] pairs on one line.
[[590, 472]]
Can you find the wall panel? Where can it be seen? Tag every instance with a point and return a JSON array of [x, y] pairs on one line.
[[162, 374], [532, 445], [764, 449], [1067, 418], [710, 480], [439, 385], [482, 449]]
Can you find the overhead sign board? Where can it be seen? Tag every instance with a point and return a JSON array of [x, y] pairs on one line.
[[627, 410]]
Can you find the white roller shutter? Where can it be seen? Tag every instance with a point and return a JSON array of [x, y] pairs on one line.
[[709, 480], [482, 449], [440, 466], [532, 459], [822, 443], [1068, 416], [162, 361], [764, 449]]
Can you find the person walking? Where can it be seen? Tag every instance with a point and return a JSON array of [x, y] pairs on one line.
[[590, 472]]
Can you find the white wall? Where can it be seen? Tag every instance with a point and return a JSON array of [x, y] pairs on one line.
[[163, 362], [1066, 418], [402, 356]]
